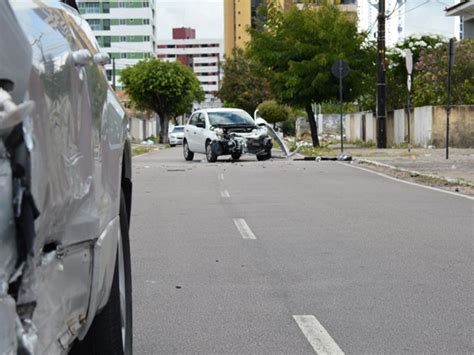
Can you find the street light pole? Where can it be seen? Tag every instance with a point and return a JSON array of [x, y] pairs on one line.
[[381, 84]]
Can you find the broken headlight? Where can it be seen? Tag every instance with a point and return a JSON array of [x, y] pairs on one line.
[[219, 132]]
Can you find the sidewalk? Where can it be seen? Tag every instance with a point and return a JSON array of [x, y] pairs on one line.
[[426, 166]]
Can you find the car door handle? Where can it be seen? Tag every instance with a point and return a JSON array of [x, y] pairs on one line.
[[81, 57]]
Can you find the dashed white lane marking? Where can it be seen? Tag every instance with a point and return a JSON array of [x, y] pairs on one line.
[[221, 176], [225, 194], [244, 228], [408, 182], [317, 336]]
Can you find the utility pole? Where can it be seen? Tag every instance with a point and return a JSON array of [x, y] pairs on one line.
[[381, 84], [448, 106], [113, 73]]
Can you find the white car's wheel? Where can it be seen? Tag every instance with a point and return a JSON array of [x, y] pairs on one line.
[[210, 155], [188, 155]]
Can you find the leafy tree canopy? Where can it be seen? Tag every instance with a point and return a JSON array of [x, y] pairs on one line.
[[273, 112], [432, 67], [297, 50], [168, 88], [397, 73], [242, 86]]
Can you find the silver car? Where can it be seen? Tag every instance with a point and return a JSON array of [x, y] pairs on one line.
[[176, 136], [65, 188]]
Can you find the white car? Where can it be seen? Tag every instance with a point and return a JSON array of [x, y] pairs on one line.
[[176, 136], [225, 131]]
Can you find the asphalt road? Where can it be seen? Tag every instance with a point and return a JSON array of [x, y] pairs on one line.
[[382, 267]]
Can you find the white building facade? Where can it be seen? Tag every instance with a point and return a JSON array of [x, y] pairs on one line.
[[203, 56], [124, 29], [367, 11]]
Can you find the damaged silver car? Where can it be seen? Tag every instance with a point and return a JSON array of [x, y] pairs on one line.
[[65, 188], [226, 131]]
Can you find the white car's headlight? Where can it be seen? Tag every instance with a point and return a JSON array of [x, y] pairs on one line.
[[173, 136], [219, 132]]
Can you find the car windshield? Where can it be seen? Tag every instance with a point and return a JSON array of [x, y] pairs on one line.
[[230, 118], [178, 129]]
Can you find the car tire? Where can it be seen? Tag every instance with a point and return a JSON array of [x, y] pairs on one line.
[[111, 331], [265, 156], [236, 156], [188, 155], [210, 155], [172, 145]]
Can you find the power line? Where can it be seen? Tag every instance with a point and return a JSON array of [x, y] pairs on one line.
[[416, 7]]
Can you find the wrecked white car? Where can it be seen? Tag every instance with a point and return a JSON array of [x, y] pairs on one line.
[[65, 188], [225, 131]]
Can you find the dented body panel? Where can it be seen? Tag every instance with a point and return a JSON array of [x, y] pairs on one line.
[[57, 276]]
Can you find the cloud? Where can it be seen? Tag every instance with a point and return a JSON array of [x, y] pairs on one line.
[[204, 16]]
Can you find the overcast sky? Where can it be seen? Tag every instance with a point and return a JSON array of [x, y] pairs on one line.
[[205, 16], [428, 16]]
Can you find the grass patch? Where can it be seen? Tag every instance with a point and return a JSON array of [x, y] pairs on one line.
[[317, 151], [363, 144], [141, 149]]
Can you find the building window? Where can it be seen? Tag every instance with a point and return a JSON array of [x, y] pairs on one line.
[[123, 55], [106, 25], [146, 21], [91, 8], [123, 38], [122, 21], [121, 4], [146, 38], [146, 4], [95, 24]]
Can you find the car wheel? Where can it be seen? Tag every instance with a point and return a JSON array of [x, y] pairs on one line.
[[265, 156], [172, 145], [236, 156], [111, 330], [188, 155], [210, 155]]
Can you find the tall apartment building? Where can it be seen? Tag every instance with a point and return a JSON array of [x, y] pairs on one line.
[[124, 29], [367, 12], [406, 18], [238, 16], [203, 56]]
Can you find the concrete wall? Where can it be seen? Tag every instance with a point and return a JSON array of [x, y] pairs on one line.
[[461, 127], [141, 129], [427, 126]]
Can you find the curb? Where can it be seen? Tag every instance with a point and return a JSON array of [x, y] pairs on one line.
[[414, 173]]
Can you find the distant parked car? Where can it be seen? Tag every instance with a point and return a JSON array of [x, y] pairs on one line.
[[225, 131], [176, 135], [65, 188]]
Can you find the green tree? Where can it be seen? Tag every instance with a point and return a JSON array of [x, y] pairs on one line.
[[430, 83], [169, 89], [242, 86], [297, 49], [397, 73], [273, 112]]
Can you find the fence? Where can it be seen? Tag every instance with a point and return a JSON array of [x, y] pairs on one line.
[[428, 126]]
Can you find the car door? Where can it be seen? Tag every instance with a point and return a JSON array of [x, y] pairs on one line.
[[190, 131], [200, 136]]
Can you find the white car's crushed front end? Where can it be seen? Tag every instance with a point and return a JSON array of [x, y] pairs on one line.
[[241, 140]]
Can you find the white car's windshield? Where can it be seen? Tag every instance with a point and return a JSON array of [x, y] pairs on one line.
[[178, 129], [230, 118]]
